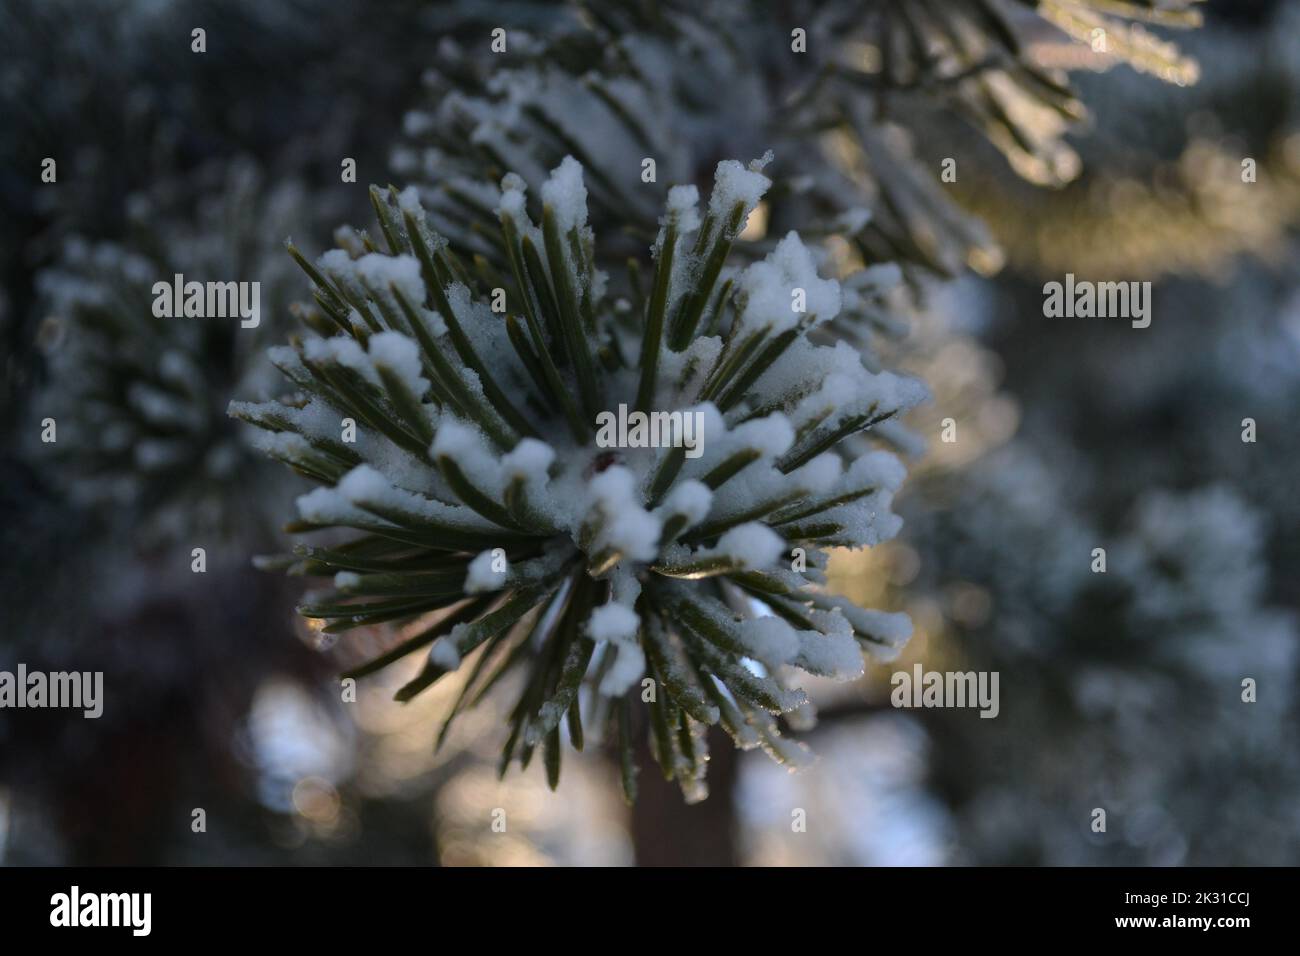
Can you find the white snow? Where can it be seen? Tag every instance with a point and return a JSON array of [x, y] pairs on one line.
[[894, 629], [337, 263], [847, 389], [401, 354], [530, 459], [514, 199], [683, 208], [433, 322], [613, 622], [770, 640], [876, 468], [732, 184], [325, 506], [443, 652], [832, 652], [465, 445], [752, 544], [343, 350], [820, 474], [286, 358], [280, 444], [690, 499], [408, 200], [629, 665], [364, 483], [885, 631], [365, 486], [770, 436], [379, 271], [482, 577], [350, 242], [566, 194], [628, 527], [766, 289]]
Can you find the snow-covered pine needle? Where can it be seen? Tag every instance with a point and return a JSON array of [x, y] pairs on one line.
[[485, 484]]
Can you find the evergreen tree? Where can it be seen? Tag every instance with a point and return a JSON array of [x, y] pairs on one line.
[[447, 384]]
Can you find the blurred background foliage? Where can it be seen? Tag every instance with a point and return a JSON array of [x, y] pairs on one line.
[[1119, 691]]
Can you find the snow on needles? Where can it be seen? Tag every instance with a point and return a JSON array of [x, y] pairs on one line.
[[482, 487]]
